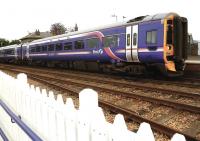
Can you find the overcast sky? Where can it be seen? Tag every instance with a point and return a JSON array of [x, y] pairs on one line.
[[18, 17]]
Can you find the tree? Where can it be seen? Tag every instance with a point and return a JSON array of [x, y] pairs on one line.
[[57, 29], [3, 42], [15, 42]]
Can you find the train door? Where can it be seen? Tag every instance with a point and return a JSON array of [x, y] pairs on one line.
[[27, 52], [132, 43], [21, 52], [15, 52]]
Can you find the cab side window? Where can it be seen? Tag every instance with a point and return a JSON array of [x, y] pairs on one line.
[[151, 37]]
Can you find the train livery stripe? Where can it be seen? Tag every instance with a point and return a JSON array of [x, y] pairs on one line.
[[106, 49], [64, 53], [41, 54], [121, 51], [140, 50], [74, 53], [147, 50]]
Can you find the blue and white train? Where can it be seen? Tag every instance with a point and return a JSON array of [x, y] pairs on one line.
[[146, 43]]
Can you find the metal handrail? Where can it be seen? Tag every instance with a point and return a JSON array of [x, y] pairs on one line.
[[20, 123], [3, 135]]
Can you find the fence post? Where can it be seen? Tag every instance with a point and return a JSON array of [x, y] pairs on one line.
[[99, 128], [119, 131], [145, 133], [178, 137], [60, 122], [88, 106], [20, 95], [44, 114], [70, 114], [52, 117]]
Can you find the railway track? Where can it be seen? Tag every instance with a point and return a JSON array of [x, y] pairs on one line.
[[141, 83], [57, 82], [188, 81]]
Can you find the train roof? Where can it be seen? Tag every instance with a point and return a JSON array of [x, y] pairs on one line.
[[158, 16], [67, 35], [129, 22], [9, 47]]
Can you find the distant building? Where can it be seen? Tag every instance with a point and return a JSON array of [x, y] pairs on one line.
[[192, 46], [34, 36]]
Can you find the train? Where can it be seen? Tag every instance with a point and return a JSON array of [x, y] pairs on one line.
[[156, 43]]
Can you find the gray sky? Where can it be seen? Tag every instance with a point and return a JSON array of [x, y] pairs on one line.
[[18, 17]]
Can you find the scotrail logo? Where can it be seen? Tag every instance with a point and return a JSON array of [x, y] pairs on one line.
[[99, 51]]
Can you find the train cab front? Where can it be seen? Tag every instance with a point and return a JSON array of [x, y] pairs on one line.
[[175, 44]]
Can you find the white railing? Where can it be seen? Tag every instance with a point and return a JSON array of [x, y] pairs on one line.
[[54, 120]]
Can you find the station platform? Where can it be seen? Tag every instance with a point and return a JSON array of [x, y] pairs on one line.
[[193, 65], [193, 60]]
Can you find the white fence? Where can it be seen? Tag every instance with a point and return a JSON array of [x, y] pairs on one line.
[[52, 120]]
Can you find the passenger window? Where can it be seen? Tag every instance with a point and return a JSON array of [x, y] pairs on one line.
[[51, 47], [92, 43], [68, 46], [58, 47], [32, 50], [37, 48], [44, 48], [128, 38], [151, 37], [135, 39], [9, 52], [111, 41], [79, 44], [115, 41]]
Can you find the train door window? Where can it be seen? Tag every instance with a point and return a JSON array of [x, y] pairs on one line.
[[68, 46], [44, 48], [79, 44], [59, 47], [51, 47], [135, 39], [37, 48], [93, 43], [151, 37], [128, 38]]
